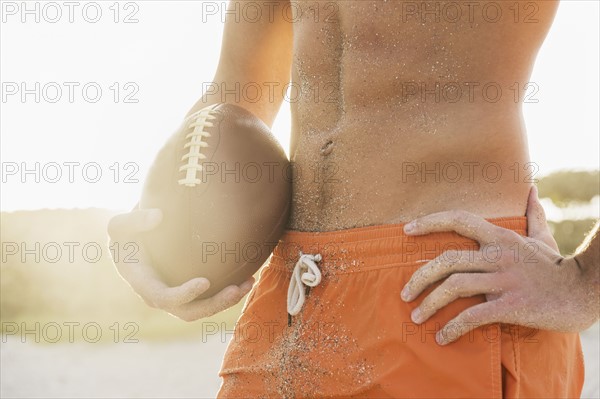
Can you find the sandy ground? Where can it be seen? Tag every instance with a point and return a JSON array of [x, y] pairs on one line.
[[182, 369]]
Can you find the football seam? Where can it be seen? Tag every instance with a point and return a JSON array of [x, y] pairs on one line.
[[194, 143]]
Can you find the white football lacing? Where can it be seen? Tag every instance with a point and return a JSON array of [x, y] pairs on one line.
[[194, 142]]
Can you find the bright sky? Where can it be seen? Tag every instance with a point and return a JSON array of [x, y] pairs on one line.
[[162, 60]]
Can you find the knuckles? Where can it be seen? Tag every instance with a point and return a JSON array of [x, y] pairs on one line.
[[460, 217], [453, 256], [454, 281], [508, 237]]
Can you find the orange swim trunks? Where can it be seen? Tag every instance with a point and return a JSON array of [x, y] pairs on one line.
[[353, 336]]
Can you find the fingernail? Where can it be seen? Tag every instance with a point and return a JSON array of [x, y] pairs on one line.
[[416, 316], [232, 294], [439, 338], [405, 295], [409, 227], [204, 283]]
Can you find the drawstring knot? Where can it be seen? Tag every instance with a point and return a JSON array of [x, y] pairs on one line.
[[306, 273]]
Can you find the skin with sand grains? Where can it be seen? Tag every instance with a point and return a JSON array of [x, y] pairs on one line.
[[400, 114], [539, 288]]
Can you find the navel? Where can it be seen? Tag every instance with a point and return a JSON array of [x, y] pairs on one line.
[[327, 148]]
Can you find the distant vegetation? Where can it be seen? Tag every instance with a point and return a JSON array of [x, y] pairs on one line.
[[566, 187], [83, 286], [570, 233], [569, 188]]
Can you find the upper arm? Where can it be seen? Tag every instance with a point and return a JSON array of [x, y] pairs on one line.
[[256, 55]]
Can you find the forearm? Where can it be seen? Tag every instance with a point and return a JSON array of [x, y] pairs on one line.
[[588, 253], [264, 104], [255, 63], [587, 258]]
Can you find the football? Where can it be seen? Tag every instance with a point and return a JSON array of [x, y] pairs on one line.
[[222, 184]]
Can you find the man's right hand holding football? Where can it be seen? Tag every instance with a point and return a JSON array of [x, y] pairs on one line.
[[179, 301]]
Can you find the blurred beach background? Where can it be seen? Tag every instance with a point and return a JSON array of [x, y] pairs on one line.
[[96, 337]]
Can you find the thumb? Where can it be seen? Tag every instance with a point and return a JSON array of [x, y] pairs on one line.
[[536, 217], [134, 222], [537, 226]]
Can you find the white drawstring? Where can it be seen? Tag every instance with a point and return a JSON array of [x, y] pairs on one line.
[[306, 272]]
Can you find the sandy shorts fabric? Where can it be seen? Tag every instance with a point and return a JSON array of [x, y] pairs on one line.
[[354, 336]]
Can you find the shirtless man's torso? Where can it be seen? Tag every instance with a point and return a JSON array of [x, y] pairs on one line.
[[418, 109], [399, 108]]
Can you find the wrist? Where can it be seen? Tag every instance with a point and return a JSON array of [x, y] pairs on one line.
[[588, 287]]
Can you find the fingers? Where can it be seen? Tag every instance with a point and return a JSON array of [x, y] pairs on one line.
[[134, 222], [128, 254], [172, 297], [126, 251], [443, 266], [225, 299], [181, 301], [537, 226], [247, 285], [231, 295], [470, 319], [462, 222], [536, 217], [461, 285]]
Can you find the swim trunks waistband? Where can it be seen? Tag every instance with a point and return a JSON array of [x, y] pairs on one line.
[[345, 251]]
